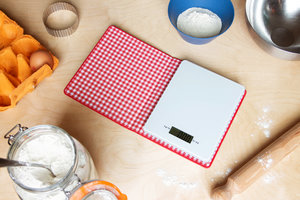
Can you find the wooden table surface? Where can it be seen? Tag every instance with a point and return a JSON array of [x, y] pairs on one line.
[[140, 168]]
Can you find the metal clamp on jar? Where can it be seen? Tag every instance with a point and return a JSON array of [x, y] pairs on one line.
[[73, 169]]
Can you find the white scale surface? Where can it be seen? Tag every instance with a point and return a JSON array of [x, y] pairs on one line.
[[198, 102]]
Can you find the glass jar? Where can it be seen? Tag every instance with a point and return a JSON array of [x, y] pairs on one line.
[[69, 160]]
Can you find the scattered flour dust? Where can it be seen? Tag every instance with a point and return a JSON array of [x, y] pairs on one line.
[[265, 162], [272, 177], [269, 178], [199, 22], [264, 122], [171, 180], [223, 174]]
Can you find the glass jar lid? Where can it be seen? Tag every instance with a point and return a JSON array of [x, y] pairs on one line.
[[97, 190]]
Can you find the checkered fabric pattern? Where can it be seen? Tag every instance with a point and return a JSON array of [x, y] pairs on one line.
[[123, 79]]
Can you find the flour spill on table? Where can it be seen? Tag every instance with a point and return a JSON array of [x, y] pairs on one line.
[[269, 178], [228, 171], [172, 180], [266, 109], [265, 162], [272, 177], [223, 174], [264, 122]]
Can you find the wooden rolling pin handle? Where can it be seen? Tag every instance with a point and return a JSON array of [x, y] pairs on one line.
[[224, 192], [259, 165]]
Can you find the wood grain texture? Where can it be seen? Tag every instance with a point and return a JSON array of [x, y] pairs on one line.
[[259, 165], [140, 168]]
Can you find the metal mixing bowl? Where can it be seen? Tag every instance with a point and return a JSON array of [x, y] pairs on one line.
[[277, 25]]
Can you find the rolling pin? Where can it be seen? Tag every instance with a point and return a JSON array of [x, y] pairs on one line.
[[259, 165]]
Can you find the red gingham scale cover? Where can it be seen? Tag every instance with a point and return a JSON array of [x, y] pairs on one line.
[[123, 79]]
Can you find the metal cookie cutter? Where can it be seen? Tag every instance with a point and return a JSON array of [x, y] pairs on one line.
[[57, 28]]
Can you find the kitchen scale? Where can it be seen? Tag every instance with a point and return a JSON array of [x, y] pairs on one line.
[[195, 111], [182, 106]]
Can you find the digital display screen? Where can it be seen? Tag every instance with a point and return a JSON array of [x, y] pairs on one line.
[[181, 135]]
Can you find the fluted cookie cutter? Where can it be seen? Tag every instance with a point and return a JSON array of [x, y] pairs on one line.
[[56, 28]]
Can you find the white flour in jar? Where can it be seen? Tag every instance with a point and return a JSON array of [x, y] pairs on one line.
[[49, 149], [199, 22], [102, 195]]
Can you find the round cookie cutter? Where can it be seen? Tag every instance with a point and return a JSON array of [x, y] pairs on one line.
[[59, 27]]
